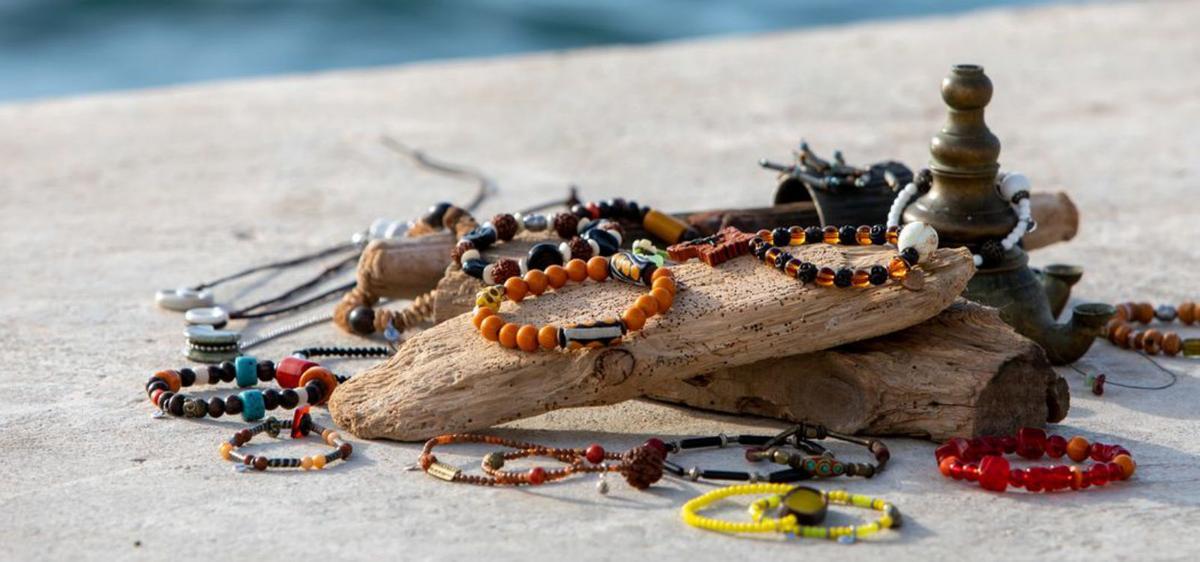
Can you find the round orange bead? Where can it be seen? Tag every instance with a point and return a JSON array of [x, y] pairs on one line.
[[1127, 465], [577, 270], [556, 275], [648, 304], [481, 314], [490, 327], [508, 335], [634, 318], [324, 376], [516, 288], [172, 378], [1077, 449], [664, 299], [664, 283], [944, 466], [548, 337], [527, 338], [597, 268], [536, 280], [662, 272]]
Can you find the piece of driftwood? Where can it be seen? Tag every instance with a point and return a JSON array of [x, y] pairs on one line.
[[963, 372], [448, 378]]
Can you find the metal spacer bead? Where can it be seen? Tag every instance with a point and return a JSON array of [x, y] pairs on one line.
[[693, 473], [724, 440]]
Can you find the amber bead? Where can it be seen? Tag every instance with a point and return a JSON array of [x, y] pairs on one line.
[[1152, 342], [508, 335], [536, 281], [490, 327], [318, 461], [863, 235], [792, 267], [830, 235], [648, 304], [634, 319], [577, 270], [898, 268], [1078, 448], [1187, 312], [516, 289], [664, 299], [597, 268], [825, 277], [1171, 343], [771, 255], [893, 235], [1127, 465], [226, 449], [556, 276], [527, 338], [548, 337], [861, 278], [798, 238]]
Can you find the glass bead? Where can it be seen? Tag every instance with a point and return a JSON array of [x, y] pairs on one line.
[[893, 235], [956, 470], [879, 275], [1034, 478], [1056, 446], [843, 278], [898, 268], [863, 235], [770, 255], [781, 237], [847, 234], [1016, 477], [798, 237], [792, 267], [814, 235], [993, 473], [1191, 347], [1059, 477], [830, 235], [825, 277], [861, 279], [971, 472], [1031, 442], [879, 234], [1098, 475], [807, 272]]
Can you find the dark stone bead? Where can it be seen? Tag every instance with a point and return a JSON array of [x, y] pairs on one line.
[[233, 405], [758, 247], [164, 400], [266, 370], [433, 217], [482, 237], [807, 273], [474, 268], [314, 392], [306, 424], [216, 407], [879, 275], [879, 234], [242, 437], [187, 377], [606, 209], [992, 253], [843, 277], [581, 211], [260, 463], [847, 235], [619, 207], [195, 408], [814, 235], [175, 406], [505, 225], [362, 320], [228, 371], [215, 374], [344, 450], [781, 260], [288, 399], [271, 398], [910, 255], [923, 179], [156, 384], [781, 236], [635, 212], [604, 239], [543, 255]]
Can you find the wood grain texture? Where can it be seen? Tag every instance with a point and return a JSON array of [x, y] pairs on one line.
[[447, 378]]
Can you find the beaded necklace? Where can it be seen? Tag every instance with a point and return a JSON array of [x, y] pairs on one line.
[[1121, 331]]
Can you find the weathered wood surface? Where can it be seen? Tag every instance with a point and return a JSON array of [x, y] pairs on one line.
[[447, 378], [964, 372]]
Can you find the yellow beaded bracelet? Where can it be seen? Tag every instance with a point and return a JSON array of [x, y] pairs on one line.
[[787, 524]]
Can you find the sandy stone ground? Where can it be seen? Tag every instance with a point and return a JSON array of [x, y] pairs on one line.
[[104, 199]]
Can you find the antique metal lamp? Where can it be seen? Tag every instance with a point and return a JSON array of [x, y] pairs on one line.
[[964, 207]]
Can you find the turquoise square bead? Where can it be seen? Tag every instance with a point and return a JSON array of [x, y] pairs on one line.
[[247, 371], [253, 406]]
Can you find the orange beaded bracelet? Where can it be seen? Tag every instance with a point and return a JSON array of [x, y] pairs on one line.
[[623, 266]]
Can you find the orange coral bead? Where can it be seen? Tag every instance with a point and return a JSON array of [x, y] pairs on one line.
[[664, 283], [1078, 448], [597, 268], [664, 299], [1127, 465], [548, 337], [481, 314], [556, 275], [172, 378], [490, 327], [648, 304], [326, 378], [577, 270], [516, 288], [634, 318], [662, 272], [536, 280], [944, 466], [508, 335], [527, 338]]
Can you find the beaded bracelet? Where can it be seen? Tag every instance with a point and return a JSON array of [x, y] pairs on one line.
[[793, 474], [641, 466], [303, 382], [1121, 332], [916, 242], [957, 459], [589, 230], [301, 425], [825, 465], [624, 266], [788, 523]]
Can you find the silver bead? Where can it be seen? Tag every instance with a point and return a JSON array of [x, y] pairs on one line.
[[1166, 313], [756, 477], [693, 473], [534, 222], [602, 486], [724, 440]]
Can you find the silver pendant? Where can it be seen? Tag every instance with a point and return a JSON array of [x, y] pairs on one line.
[[183, 299]]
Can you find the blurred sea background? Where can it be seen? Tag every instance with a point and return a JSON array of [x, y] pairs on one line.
[[65, 47]]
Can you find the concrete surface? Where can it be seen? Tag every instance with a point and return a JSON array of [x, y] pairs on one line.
[[104, 199]]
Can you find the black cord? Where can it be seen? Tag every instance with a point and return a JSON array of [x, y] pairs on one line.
[[1108, 381], [337, 249], [298, 305], [487, 186], [325, 273]]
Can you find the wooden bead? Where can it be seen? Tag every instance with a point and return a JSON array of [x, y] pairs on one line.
[[1120, 336], [490, 328], [1171, 343], [1077, 449], [556, 275], [597, 268], [508, 335], [516, 288], [536, 281], [648, 304], [1128, 467], [664, 299], [660, 273], [1125, 312], [577, 270], [1144, 312], [481, 314], [664, 283], [1136, 338], [1152, 342], [634, 318], [1187, 312], [548, 337], [527, 338]]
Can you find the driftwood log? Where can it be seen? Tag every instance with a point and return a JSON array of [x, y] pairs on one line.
[[448, 379]]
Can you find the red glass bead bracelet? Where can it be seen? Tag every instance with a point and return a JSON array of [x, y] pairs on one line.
[[981, 459]]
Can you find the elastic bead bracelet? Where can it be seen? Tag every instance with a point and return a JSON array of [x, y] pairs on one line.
[[979, 460], [624, 266], [641, 466], [916, 242], [1121, 331], [825, 465], [301, 425], [788, 524], [793, 474]]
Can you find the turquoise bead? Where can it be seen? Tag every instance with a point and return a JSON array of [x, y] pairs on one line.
[[247, 371], [253, 407]]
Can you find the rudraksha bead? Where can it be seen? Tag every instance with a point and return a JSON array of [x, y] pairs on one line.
[[506, 226], [565, 224]]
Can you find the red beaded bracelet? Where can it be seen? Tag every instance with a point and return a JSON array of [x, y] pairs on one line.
[[980, 460]]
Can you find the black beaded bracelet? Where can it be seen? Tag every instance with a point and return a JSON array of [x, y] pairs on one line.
[[755, 441], [312, 387], [825, 465], [301, 425]]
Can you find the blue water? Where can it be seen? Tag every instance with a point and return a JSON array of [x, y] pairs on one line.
[[59, 47]]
